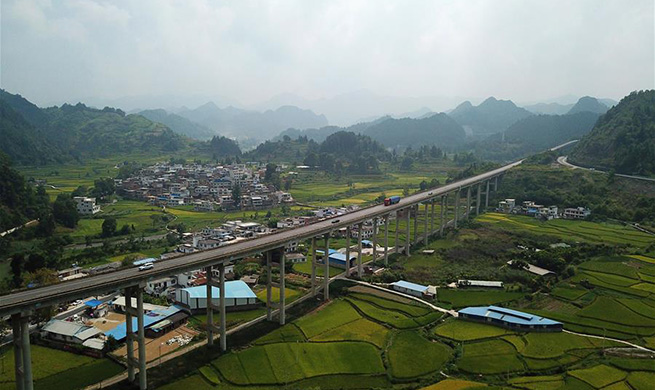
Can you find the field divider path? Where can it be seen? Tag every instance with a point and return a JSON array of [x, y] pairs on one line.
[[639, 347], [433, 307]]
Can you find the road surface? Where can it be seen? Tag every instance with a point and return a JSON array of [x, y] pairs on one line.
[[563, 160]]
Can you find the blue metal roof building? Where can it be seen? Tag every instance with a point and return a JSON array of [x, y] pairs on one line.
[[410, 288], [339, 260], [149, 319], [237, 293], [509, 318]]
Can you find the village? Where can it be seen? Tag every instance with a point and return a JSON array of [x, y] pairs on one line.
[[205, 187]]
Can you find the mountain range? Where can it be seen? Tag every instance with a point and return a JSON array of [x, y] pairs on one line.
[[491, 116], [242, 124]]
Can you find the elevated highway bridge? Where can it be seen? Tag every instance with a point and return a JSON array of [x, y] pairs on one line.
[[21, 304]]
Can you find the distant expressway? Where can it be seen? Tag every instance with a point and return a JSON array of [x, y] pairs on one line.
[[563, 160]]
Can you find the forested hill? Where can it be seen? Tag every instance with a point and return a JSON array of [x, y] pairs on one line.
[[22, 142], [19, 202], [436, 129], [57, 134], [589, 104], [491, 116], [342, 151], [535, 134], [179, 124], [623, 138]]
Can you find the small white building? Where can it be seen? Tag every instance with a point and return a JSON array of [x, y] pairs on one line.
[[577, 212], [86, 206], [414, 289], [237, 295], [296, 258]]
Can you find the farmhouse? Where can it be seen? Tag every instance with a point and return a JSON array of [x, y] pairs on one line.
[[296, 258], [238, 296], [414, 289], [86, 206], [68, 332], [509, 318], [576, 213]]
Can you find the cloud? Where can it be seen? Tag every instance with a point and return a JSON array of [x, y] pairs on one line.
[[252, 50]]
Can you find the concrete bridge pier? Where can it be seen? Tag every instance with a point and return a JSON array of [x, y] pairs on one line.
[[314, 264], [442, 221], [386, 240], [360, 270], [458, 194], [348, 250], [408, 237], [416, 211], [375, 238], [468, 202], [22, 354], [425, 233], [396, 242], [270, 305], [283, 298], [477, 199], [269, 283], [486, 195], [130, 313], [326, 265], [211, 307], [432, 216]]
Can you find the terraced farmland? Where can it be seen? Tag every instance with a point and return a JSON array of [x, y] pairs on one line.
[[567, 230]]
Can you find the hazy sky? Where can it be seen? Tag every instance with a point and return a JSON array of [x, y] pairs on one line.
[[55, 51]]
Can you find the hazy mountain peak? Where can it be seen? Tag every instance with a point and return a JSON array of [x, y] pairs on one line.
[[588, 103]]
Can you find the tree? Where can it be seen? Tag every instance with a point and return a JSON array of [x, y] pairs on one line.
[[423, 185], [34, 262], [64, 211], [16, 266], [236, 194], [109, 227], [287, 184], [103, 187], [407, 163]]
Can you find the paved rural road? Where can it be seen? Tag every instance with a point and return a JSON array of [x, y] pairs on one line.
[[156, 237], [563, 160]]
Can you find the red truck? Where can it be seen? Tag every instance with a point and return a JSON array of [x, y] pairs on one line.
[[391, 200]]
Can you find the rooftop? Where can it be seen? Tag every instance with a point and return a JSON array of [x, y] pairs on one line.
[[509, 315], [149, 319], [233, 289], [410, 285]]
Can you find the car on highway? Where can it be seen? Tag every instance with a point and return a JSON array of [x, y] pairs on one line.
[[336, 221], [146, 266], [430, 193]]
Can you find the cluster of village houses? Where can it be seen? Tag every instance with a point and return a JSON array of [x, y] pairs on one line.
[[530, 208], [205, 187]]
